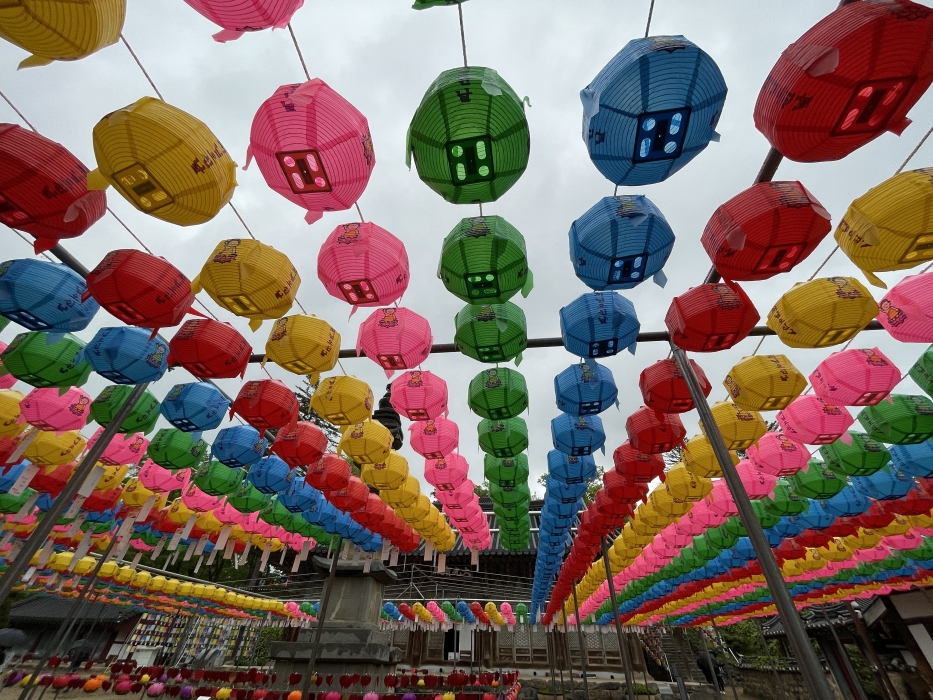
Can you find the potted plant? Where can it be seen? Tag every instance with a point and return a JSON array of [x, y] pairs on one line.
[[645, 693]]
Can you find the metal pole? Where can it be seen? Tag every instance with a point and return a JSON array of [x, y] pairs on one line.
[[846, 667], [887, 688], [560, 665], [711, 662], [567, 647], [623, 646], [809, 664], [33, 544], [550, 658], [322, 613], [777, 676], [576, 612], [729, 678]]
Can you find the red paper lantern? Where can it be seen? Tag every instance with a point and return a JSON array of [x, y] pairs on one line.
[[854, 75], [209, 349], [351, 497], [624, 488], [140, 289], [664, 388], [52, 480], [765, 230], [43, 188], [711, 317], [371, 513], [330, 473], [875, 517], [102, 500], [652, 432], [607, 505], [302, 446], [635, 465], [265, 404]]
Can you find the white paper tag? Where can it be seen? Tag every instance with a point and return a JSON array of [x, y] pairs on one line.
[[147, 506], [228, 548], [45, 553], [264, 559], [27, 507], [30, 574], [282, 558], [202, 543], [428, 550], [441, 563], [295, 564], [357, 553], [88, 486], [386, 548], [474, 557], [23, 480], [120, 552], [127, 527], [189, 526], [305, 548], [198, 565], [223, 536], [158, 548], [368, 564], [74, 508], [81, 550], [174, 557], [189, 552], [210, 559], [173, 543], [76, 524], [135, 562], [393, 557]]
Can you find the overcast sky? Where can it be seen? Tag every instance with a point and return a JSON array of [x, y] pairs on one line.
[[381, 56]]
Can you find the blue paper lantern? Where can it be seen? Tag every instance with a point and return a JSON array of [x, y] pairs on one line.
[[577, 435], [885, 484], [847, 503], [270, 475], [44, 296], [789, 527], [13, 473], [570, 469], [127, 355], [817, 516], [238, 446], [914, 460], [564, 492], [299, 496], [652, 109], [195, 407], [599, 324], [322, 514], [585, 389]]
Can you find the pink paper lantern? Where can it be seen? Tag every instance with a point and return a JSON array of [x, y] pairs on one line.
[[465, 513], [757, 482], [198, 501], [700, 518], [419, 395], [459, 498], [312, 147], [240, 16], [855, 377], [123, 449], [7, 380], [47, 409], [676, 536], [161, 480], [395, 338], [434, 438], [906, 311], [474, 525], [363, 264], [720, 501], [446, 473], [812, 421], [228, 515], [777, 455]]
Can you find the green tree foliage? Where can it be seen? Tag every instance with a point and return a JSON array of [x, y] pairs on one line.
[[482, 490]]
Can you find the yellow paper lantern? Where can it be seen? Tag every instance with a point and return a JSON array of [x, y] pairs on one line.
[[124, 575], [740, 428], [60, 562], [822, 312], [764, 383], [648, 521], [864, 539], [207, 522], [156, 584], [366, 442], [890, 227], [390, 473], [10, 425], [922, 520], [699, 458], [684, 485], [185, 588], [343, 400], [179, 513], [303, 345], [898, 526], [163, 161], [61, 30], [48, 448], [171, 586], [249, 279], [113, 476], [405, 497], [664, 503], [108, 570], [835, 551], [135, 494], [140, 579], [631, 538]]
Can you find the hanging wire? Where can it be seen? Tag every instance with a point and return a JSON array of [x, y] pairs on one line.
[[463, 34], [18, 113], [29, 243], [139, 63], [230, 204], [357, 205], [650, 13], [298, 49], [301, 307]]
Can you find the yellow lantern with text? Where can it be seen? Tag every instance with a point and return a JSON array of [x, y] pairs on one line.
[[405, 497], [112, 477], [633, 539], [52, 449], [366, 443], [665, 504], [822, 312], [700, 459], [684, 485], [303, 345], [390, 473], [10, 424], [343, 400], [764, 383], [740, 428], [135, 494]]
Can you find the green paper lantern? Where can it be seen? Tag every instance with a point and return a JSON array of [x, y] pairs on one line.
[[863, 457], [12, 504], [509, 512], [519, 495], [922, 553], [491, 332], [905, 420], [817, 480], [507, 472], [4, 322], [275, 513], [922, 371], [33, 359], [425, 4], [174, 449], [247, 498], [721, 538], [216, 479], [785, 500], [734, 526], [142, 418], [691, 559], [503, 438], [498, 392], [483, 260], [704, 549], [469, 136]]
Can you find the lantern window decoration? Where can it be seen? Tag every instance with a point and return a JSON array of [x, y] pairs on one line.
[[491, 332], [822, 312], [469, 136], [903, 420], [577, 435], [852, 76], [44, 296], [343, 400], [312, 147], [395, 338], [664, 389], [364, 265], [764, 383], [508, 472], [810, 420], [855, 377], [599, 324], [127, 355], [42, 360], [503, 438], [904, 310], [711, 317], [434, 438], [419, 395], [173, 449], [163, 161], [652, 109], [142, 418], [194, 407]]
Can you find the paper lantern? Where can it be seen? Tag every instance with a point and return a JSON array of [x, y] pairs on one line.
[[303, 445], [215, 479], [249, 279], [822, 312], [52, 409], [776, 454], [247, 499], [366, 443], [434, 438], [585, 389], [210, 349], [446, 473], [405, 496], [652, 432], [599, 324], [848, 79], [638, 466], [491, 332], [160, 480], [173, 449], [419, 395], [388, 473], [194, 407], [303, 345], [62, 30], [239, 446], [765, 230], [395, 338], [904, 420], [266, 404], [363, 264], [44, 296], [270, 475], [312, 146], [49, 448], [123, 448], [469, 136], [855, 377], [665, 390], [163, 161], [7, 381], [44, 190], [764, 383], [739, 427], [914, 459], [623, 487], [904, 313], [248, 16], [343, 400], [142, 417], [43, 361], [503, 438], [885, 484], [299, 496], [577, 435], [812, 421], [330, 473], [509, 472], [711, 317], [127, 355], [352, 496], [699, 458], [652, 109], [684, 485], [862, 456]]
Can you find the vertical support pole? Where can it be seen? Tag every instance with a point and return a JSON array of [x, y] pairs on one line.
[[800, 643], [844, 658], [576, 612], [322, 613], [560, 665], [711, 662], [730, 679], [777, 676], [623, 643], [884, 682], [550, 658], [567, 647]]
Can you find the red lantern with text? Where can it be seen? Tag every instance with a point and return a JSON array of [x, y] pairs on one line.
[[711, 317], [637, 466], [664, 388], [652, 432], [302, 446], [330, 473], [265, 404], [209, 349]]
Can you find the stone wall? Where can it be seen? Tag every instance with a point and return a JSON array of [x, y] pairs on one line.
[[760, 684]]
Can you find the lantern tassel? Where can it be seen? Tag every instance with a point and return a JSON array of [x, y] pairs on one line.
[[225, 35], [255, 324], [874, 280], [313, 216], [529, 284], [660, 279], [41, 245], [408, 148], [249, 156]]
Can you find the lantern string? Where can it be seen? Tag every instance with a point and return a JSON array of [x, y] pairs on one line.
[[29, 243], [301, 307], [139, 63], [341, 367], [817, 271], [230, 204], [463, 34], [298, 49], [18, 113], [362, 220], [650, 13]]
